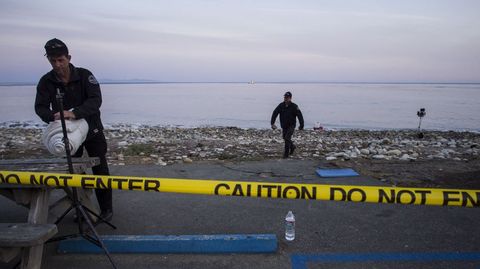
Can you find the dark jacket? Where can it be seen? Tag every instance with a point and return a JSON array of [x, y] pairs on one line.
[[81, 93], [288, 115]]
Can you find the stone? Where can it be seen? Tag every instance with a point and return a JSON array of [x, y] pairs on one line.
[[395, 152], [365, 151], [187, 160], [122, 143], [386, 141], [448, 151]]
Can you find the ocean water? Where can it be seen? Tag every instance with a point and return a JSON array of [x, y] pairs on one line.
[[333, 106]]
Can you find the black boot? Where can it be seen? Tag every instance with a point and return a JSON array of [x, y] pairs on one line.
[[106, 214], [292, 149]]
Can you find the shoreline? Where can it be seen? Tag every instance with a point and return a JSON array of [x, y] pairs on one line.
[[397, 157], [170, 143], [113, 126]]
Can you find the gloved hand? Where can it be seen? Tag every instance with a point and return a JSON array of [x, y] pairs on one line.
[[274, 127]]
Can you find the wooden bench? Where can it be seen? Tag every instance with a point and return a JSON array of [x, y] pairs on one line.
[[26, 238], [36, 198]]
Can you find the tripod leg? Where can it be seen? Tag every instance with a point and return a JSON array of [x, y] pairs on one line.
[[63, 215], [100, 219], [97, 237]]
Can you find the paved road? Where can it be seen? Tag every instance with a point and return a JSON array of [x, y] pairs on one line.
[[329, 234]]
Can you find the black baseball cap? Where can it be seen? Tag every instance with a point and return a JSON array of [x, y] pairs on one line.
[[287, 94], [55, 47]]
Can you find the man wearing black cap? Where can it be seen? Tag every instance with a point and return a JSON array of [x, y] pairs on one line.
[[82, 100], [288, 119]]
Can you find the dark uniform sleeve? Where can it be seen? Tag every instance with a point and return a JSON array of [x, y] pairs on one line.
[[42, 102], [93, 99], [300, 118], [274, 115]]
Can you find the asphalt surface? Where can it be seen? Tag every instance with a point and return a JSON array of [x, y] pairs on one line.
[[328, 234]]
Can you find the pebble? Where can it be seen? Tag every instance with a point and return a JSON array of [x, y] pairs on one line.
[[395, 152], [122, 143], [365, 151]]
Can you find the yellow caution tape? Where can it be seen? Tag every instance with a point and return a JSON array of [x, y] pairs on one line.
[[372, 194]]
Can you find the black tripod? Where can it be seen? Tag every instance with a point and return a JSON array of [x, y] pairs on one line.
[[421, 113], [80, 209]]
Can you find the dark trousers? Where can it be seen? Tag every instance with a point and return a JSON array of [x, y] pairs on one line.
[[96, 146], [287, 134]]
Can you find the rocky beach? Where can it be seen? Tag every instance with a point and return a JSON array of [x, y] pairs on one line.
[[398, 157]]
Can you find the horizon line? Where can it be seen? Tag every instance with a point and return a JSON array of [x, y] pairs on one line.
[[139, 81]]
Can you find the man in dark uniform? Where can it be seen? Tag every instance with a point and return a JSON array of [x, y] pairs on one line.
[[288, 119], [82, 99]]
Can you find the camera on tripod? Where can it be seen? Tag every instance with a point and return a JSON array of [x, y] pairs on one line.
[[421, 113]]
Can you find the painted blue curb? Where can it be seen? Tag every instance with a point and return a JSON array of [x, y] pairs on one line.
[[231, 243], [300, 261]]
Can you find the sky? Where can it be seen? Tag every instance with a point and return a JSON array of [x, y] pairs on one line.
[[247, 40]]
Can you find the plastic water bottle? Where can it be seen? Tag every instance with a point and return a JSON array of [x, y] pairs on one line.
[[290, 226]]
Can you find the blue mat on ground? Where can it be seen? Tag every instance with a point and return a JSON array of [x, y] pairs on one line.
[[229, 243], [343, 172]]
